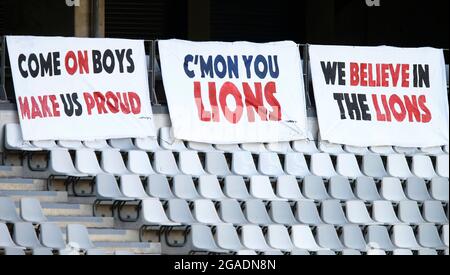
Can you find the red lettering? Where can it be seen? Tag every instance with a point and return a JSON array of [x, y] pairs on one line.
[[254, 102], [24, 107], [270, 91], [354, 74], [412, 108], [230, 89], [202, 113], [83, 61], [71, 69], [427, 117], [396, 101]]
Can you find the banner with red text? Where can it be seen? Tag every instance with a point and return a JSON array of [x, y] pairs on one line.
[[80, 88], [376, 96], [226, 93]]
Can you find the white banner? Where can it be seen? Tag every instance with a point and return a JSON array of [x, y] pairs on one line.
[[226, 93], [80, 88], [376, 96]]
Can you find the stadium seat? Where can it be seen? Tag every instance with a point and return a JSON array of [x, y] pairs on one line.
[[314, 189], [353, 238], [254, 148], [148, 144], [87, 163], [201, 147], [97, 145], [332, 213], [427, 252], [70, 145], [122, 144], [382, 150], [300, 252], [350, 252], [432, 151], [164, 163], [347, 166], [422, 167], [25, 235], [31, 211], [325, 253], [416, 189], [246, 253], [295, 165], [52, 237], [330, 148], [78, 234], [14, 140], [442, 165], [253, 238], [153, 214], [383, 212], [447, 149], [339, 188], [287, 187], [42, 252], [205, 212], [322, 166], [179, 212], [357, 213], [61, 164], [397, 166], [445, 235], [306, 213], [366, 189], [433, 212], [306, 147], [403, 237], [216, 164], [376, 252], [158, 187], [261, 188], [402, 252], [439, 189], [269, 165], [256, 213], [112, 163], [409, 213], [278, 237], [235, 188], [8, 213], [359, 151], [228, 148], [107, 189], [183, 187], [230, 212], [326, 236], [428, 237], [190, 164], [47, 145], [209, 188], [372, 166], [377, 237], [303, 238], [392, 190], [407, 151], [281, 213], [168, 142], [282, 148], [242, 164], [227, 238], [12, 251], [5, 238], [131, 187], [138, 163]]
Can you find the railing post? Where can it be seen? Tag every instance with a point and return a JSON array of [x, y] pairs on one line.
[[3, 95], [151, 72]]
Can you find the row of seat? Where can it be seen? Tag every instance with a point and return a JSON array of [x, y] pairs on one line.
[[15, 142], [286, 188]]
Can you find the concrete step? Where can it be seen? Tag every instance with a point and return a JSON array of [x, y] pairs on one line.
[[11, 171], [18, 184], [89, 222], [113, 235], [42, 196], [133, 247], [66, 209]]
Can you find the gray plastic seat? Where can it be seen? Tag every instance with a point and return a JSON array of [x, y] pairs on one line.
[[25, 235], [216, 164], [303, 238], [47, 145], [158, 187], [280, 148], [278, 237], [227, 238], [70, 145], [442, 165], [377, 237], [382, 150], [183, 187], [403, 237], [366, 189], [97, 145], [407, 151], [351, 252], [235, 188], [325, 253], [168, 142], [153, 214], [331, 148], [5, 238], [242, 164], [307, 147], [164, 163], [287, 187], [321, 165], [392, 190], [31, 211], [61, 164], [201, 147], [12, 251], [357, 213], [353, 238], [253, 238], [432, 151], [403, 252], [339, 188], [300, 252], [254, 148], [397, 166], [332, 213], [107, 189], [327, 237], [14, 139], [373, 166], [295, 164], [422, 167], [42, 252], [376, 252], [228, 148], [190, 164], [261, 188], [428, 237], [122, 144], [306, 213], [427, 252], [149, 144], [314, 189], [52, 237], [230, 212], [409, 212], [355, 150], [132, 187], [179, 212], [78, 234], [209, 188], [139, 163], [112, 163], [8, 211], [281, 213], [269, 165], [439, 189], [445, 235], [433, 212], [416, 189], [87, 163], [383, 212], [256, 213], [347, 166], [205, 212]]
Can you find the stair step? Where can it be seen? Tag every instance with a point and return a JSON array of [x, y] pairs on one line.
[[66, 209], [17, 184], [113, 235], [10, 171], [133, 247], [89, 222], [42, 196]]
